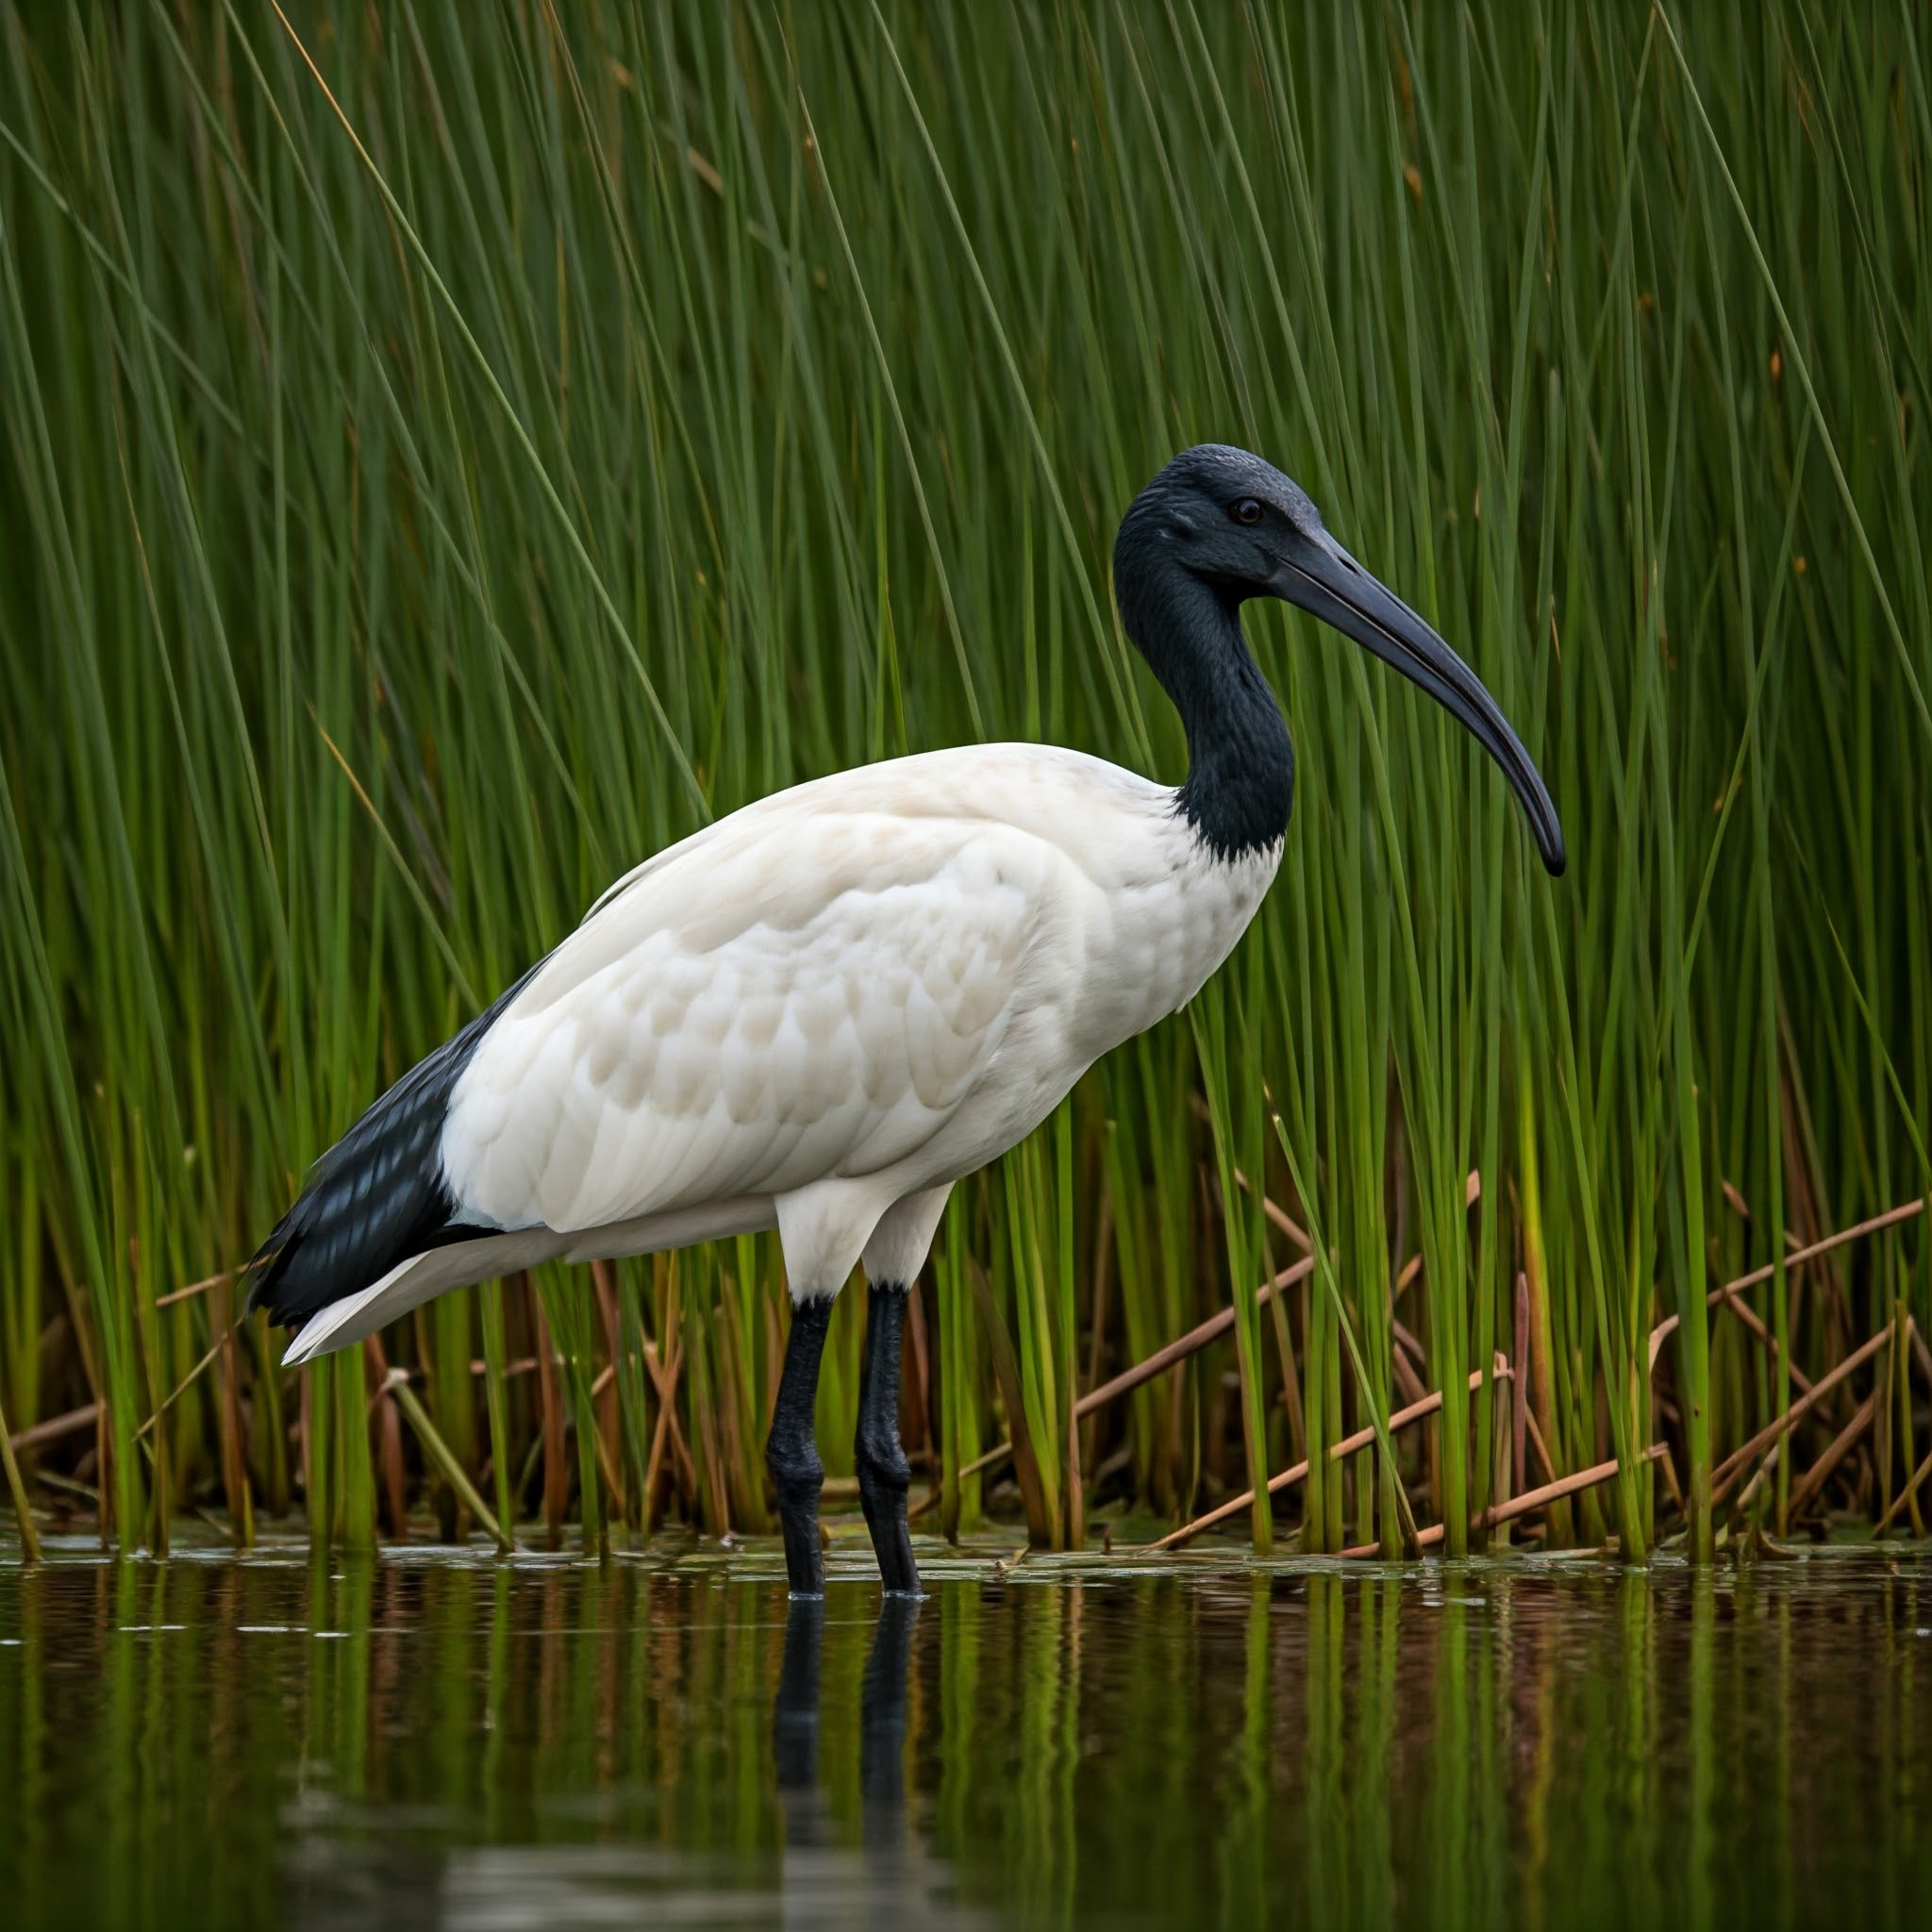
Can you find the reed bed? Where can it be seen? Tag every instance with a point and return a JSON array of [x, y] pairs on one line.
[[451, 453]]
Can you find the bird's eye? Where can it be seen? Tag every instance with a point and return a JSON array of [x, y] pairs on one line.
[[1247, 511]]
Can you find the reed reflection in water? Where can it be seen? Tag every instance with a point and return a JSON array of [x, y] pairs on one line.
[[429, 1739]]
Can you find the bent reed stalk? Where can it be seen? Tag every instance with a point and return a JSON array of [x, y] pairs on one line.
[[448, 457]]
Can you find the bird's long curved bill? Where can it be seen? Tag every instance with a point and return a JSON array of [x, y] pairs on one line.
[[1326, 582]]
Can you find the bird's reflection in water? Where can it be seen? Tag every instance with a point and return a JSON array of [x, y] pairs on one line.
[[824, 1882], [601, 1865], [882, 1722], [795, 1720]]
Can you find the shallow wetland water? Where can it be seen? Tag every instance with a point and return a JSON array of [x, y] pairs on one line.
[[430, 1738]]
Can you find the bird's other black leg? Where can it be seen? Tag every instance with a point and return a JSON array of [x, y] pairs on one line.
[[884, 1475], [882, 1717], [792, 1454]]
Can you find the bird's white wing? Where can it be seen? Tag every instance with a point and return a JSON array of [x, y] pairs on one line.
[[781, 999], [819, 1010]]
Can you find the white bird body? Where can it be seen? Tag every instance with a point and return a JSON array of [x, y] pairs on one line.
[[821, 1012], [842, 997]]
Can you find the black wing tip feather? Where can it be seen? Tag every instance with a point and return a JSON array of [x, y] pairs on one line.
[[376, 1198]]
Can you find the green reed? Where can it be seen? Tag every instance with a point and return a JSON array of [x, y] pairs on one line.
[[448, 457]]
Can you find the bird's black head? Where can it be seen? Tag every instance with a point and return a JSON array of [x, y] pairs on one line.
[[1218, 526], [1221, 515]]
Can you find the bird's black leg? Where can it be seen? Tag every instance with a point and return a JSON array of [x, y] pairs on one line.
[[792, 1454], [884, 1475]]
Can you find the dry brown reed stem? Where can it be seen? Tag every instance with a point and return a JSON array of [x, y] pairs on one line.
[[1727, 1474], [998, 1453], [1535, 1433], [1277, 1215], [438, 1452], [603, 1389], [1677, 1488], [664, 1378], [194, 1288], [1726, 1295], [1762, 1473], [1429, 1403], [56, 1426], [1521, 1506], [1406, 1363], [1843, 1444], [550, 1400], [1903, 1496], [388, 1437], [1519, 1443], [608, 1468], [186, 1382], [1197, 1338], [1889, 1218], [16, 1489]]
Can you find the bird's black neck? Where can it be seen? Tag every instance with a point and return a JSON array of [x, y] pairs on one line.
[[1241, 765]]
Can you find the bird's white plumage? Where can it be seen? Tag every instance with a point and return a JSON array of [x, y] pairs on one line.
[[844, 995]]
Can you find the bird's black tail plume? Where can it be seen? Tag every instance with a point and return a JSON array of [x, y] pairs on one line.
[[376, 1198]]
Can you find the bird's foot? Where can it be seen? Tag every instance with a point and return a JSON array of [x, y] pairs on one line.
[[797, 1482], [884, 1479]]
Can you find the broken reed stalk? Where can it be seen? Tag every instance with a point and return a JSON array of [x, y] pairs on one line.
[[1523, 1506], [1842, 1445], [1197, 1338], [1728, 1470], [396, 1383]]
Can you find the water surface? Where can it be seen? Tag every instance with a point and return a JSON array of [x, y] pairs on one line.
[[429, 1737]]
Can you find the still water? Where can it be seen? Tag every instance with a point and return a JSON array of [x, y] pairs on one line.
[[430, 1739]]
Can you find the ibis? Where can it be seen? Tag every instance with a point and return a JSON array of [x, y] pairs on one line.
[[819, 1013]]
